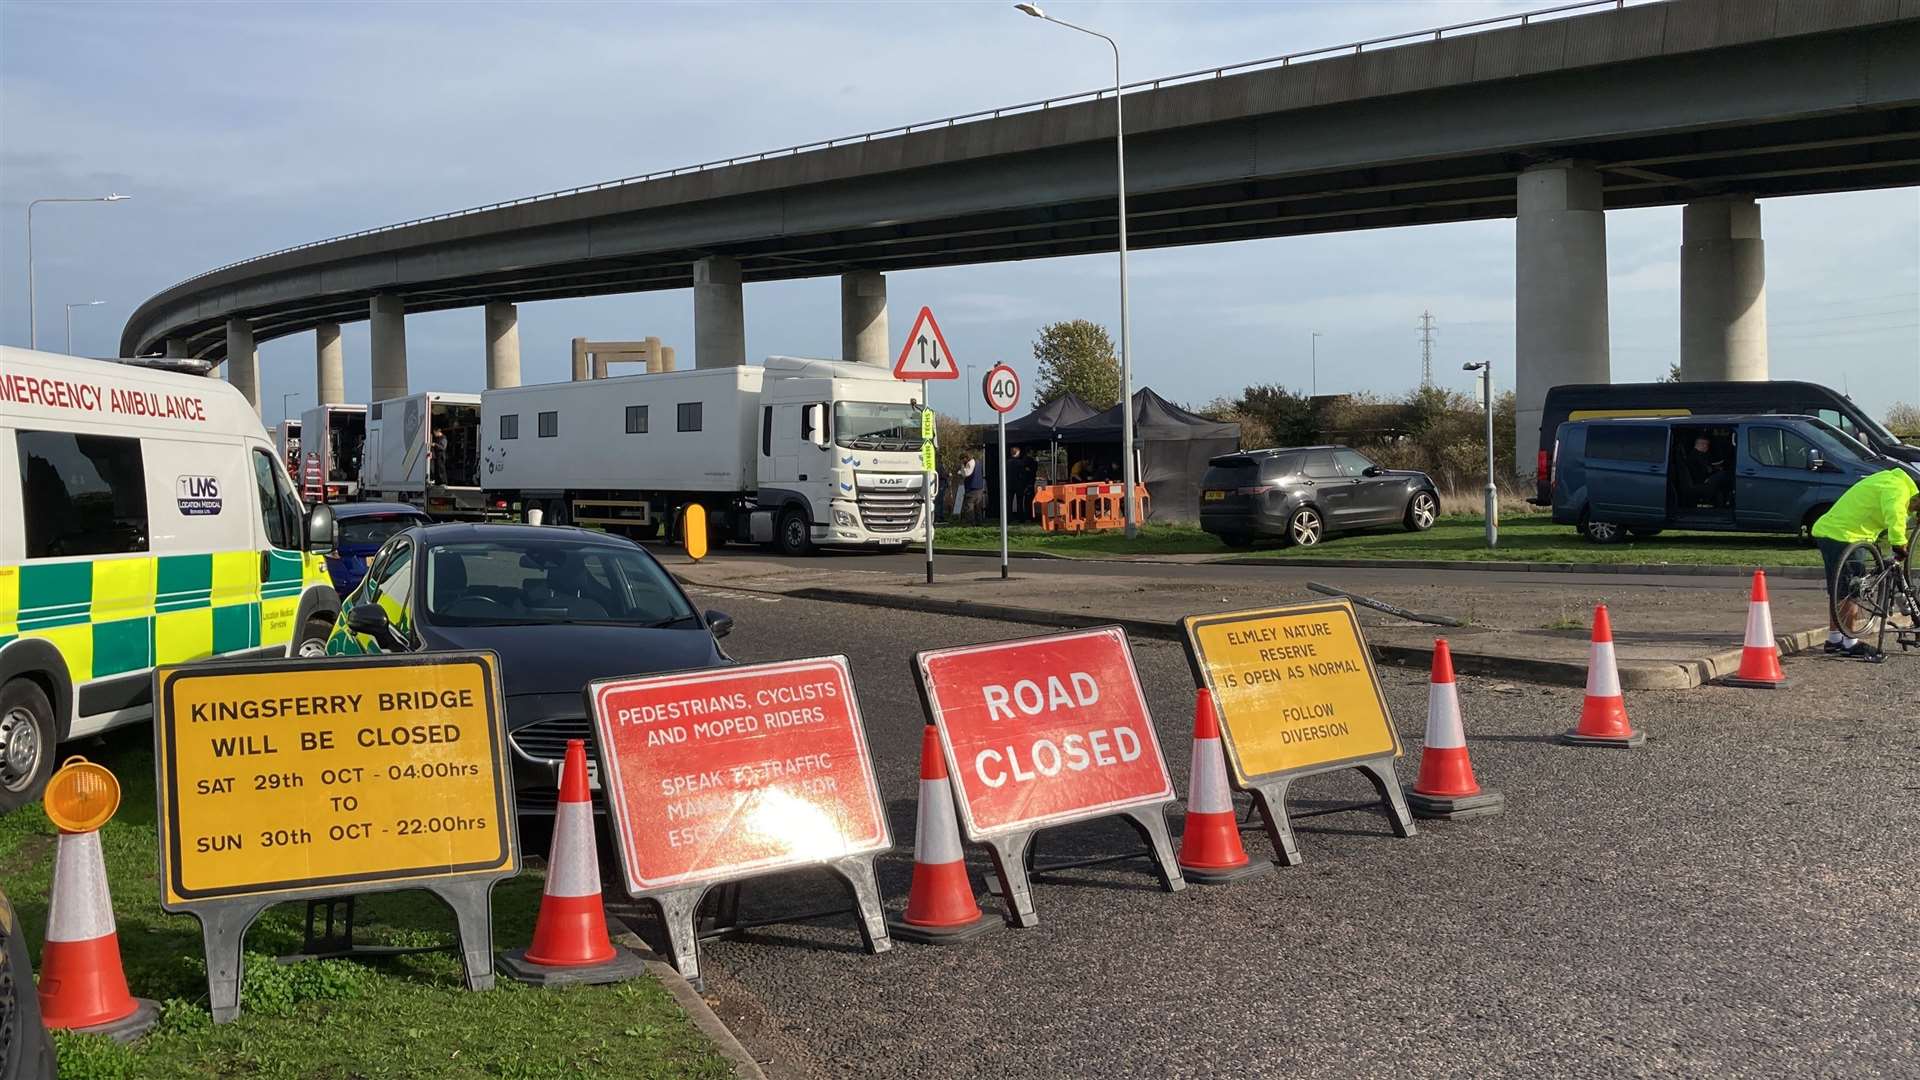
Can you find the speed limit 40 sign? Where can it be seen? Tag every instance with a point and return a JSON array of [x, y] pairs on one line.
[[1001, 388]]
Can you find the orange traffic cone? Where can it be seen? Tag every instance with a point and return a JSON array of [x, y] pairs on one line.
[[1210, 850], [1760, 660], [570, 943], [940, 904], [1603, 716], [1446, 787], [82, 985]]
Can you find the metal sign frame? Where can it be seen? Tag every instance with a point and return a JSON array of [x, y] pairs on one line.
[[680, 901], [226, 914], [1269, 790], [1011, 846]]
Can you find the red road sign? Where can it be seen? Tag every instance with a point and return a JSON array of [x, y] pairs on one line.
[[1001, 388], [1043, 731], [925, 355], [717, 775]]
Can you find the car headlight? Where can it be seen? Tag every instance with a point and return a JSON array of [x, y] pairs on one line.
[[841, 517]]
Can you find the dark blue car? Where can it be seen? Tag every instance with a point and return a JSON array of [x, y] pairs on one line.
[[360, 529]]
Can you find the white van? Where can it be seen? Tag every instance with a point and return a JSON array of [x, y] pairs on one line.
[[145, 519]]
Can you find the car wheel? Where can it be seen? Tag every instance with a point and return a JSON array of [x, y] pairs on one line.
[[1422, 510], [794, 536], [1305, 528], [1236, 540], [1603, 532], [312, 642], [27, 743]]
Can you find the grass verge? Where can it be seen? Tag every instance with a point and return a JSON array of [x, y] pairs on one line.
[[401, 1017], [1454, 537]]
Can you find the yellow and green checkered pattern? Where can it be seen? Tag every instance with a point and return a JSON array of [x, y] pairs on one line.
[[114, 614]]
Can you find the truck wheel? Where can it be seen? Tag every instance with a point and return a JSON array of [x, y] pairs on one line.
[[794, 536], [27, 743]]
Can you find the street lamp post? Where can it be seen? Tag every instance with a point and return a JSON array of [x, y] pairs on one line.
[[1126, 331], [1313, 364], [70, 307], [33, 320], [1485, 368]]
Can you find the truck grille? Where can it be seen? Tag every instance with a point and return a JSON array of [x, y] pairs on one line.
[[547, 740], [890, 511]]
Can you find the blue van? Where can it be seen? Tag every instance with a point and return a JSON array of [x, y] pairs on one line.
[[1620, 477]]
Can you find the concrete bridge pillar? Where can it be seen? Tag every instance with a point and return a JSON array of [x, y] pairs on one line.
[[503, 345], [329, 365], [863, 318], [177, 348], [1723, 292], [387, 319], [243, 361], [719, 314], [1560, 292]]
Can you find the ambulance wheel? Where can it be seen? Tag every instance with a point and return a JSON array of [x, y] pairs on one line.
[[312, 642], [27, 743], [794, 536]]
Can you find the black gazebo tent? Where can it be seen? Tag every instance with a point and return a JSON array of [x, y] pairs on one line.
[[1174, 447]]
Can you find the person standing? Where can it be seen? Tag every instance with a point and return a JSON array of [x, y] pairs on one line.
[[437, 459], [976, 490], [1019, 481], [960, 480]]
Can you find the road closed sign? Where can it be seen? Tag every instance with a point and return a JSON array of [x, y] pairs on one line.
[[718, 775], [286, 776], [1044, 731], [1295, 687]]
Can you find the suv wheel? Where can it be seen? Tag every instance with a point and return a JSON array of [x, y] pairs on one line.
[[1422, 510], [26, 743], [793, 536], [1304, 528], [1602, 532]]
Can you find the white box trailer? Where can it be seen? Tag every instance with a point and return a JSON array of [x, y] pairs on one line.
[[406, 462], [286, 439], [796, 452], [332, 439]]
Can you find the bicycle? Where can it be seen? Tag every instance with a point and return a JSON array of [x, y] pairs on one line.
[[1875, 595]]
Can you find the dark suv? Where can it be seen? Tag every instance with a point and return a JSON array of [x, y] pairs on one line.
[[1301, 494]]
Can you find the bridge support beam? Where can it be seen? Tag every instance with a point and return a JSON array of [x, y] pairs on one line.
[[503, 345], [1723, 292], [329, 365], [863, 318], [387, 321], [719, 314], [243, 361], [177, 348], [1560, 292]]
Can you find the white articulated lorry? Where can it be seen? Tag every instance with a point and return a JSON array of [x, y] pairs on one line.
[[795, 453], [403, 465], [332, 438]]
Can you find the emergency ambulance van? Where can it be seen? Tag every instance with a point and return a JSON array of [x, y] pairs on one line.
[[145, 518]]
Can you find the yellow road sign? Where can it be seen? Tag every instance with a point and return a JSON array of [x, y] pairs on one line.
[[280, 776], [1295, 687]]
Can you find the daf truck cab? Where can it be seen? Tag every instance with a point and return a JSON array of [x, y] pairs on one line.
[[796, 453]]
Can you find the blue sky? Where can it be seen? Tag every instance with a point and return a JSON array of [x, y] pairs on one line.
[[241, 129]]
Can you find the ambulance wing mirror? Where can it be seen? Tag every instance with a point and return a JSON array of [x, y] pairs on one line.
[[813, 425], [319, 529]]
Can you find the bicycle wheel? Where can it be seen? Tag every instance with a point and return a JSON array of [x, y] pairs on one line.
[[1860, 591]]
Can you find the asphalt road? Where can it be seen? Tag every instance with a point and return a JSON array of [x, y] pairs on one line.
[[1735, 898]]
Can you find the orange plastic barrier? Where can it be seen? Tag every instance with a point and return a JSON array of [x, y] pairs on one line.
[[1086, 507]]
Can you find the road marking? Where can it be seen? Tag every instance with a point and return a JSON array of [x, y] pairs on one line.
[[732, 594]]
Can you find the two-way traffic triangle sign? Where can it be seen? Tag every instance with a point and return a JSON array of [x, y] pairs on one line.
[[926, 355]]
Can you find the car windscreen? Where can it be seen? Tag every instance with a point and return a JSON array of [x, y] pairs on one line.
[[876, 425], [530, 582], [374, 530], [1831, 437]]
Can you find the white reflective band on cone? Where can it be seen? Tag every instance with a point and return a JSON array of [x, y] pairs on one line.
[[82, 907], [1759, 625], [573, 867], [1443, 718], [1603, 679], [936, 835], [1208, 794]]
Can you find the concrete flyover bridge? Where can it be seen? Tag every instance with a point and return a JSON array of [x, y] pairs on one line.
[[1552, 117]]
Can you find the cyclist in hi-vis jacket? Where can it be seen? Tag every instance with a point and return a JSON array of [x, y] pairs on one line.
[[1879, 504]]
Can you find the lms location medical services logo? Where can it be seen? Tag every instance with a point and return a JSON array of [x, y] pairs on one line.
[[198, 496]]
